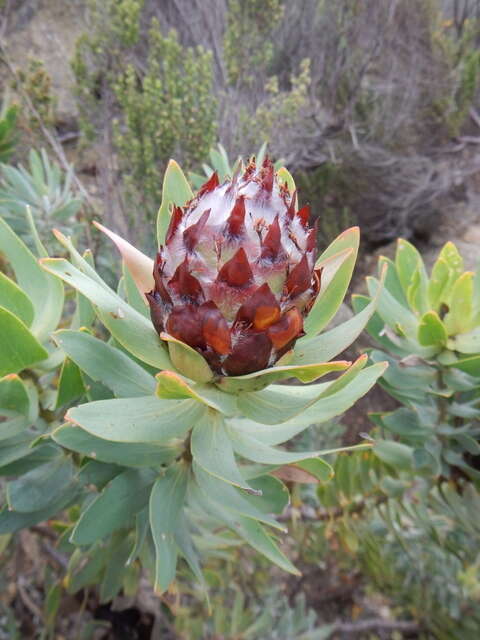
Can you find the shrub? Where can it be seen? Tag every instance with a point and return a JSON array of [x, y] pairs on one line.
[[152, 465], [150, 99]]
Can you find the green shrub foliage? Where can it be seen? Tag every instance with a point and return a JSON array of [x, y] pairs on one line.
[[149, 106]]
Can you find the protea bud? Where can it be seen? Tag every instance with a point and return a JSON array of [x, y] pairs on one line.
[[236, 275]]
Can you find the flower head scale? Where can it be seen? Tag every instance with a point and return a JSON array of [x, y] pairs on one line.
[[236, 274]]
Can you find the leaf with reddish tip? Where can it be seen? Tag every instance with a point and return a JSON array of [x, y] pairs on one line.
[[171, 386], [258, 380], [191, 235], [299, 279], [236, 220], [272, 242], [236, 272], [175, 190], [185, 285], [188, 361], [139, 265]]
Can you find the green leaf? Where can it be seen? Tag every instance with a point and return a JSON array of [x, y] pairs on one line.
[[14, 395], [321, 411], [250, 448], [392, 282], [402, 422], [18, 457], [395, 454], [105, 364], [407, 261], [275, 496], [220, 162], [310, 470], [420, 377], [114, 508], [11, 521], [438, 284], [133, 330], [187, 361], [338, 260], [284, 175], [376, 329], [84, 569], [280, 403], [170, 385], [84, 315], [166, 504], [134, 297], [248, 529], [15, 300], [392, 312], [454, 261], [19, 349], [128, 454], [466, 342], [326, 346], [260, 379], [417, 291], [70, 384], [144, 419], [212, 450], [431, 330], [116, 560], [36, 490], [459, 319], [142, 527], [468, 365], [175, 190], [232, 499], [97, 473], [45, 292], [186, 547]]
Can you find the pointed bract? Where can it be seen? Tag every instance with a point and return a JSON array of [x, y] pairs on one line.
[[236, 272]]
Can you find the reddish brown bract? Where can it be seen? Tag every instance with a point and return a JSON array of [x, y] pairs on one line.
[[236, 274]]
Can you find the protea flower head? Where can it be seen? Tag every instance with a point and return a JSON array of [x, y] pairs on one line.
[[236, 274]]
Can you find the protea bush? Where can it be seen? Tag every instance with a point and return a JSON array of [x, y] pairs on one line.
[[174, 439]]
